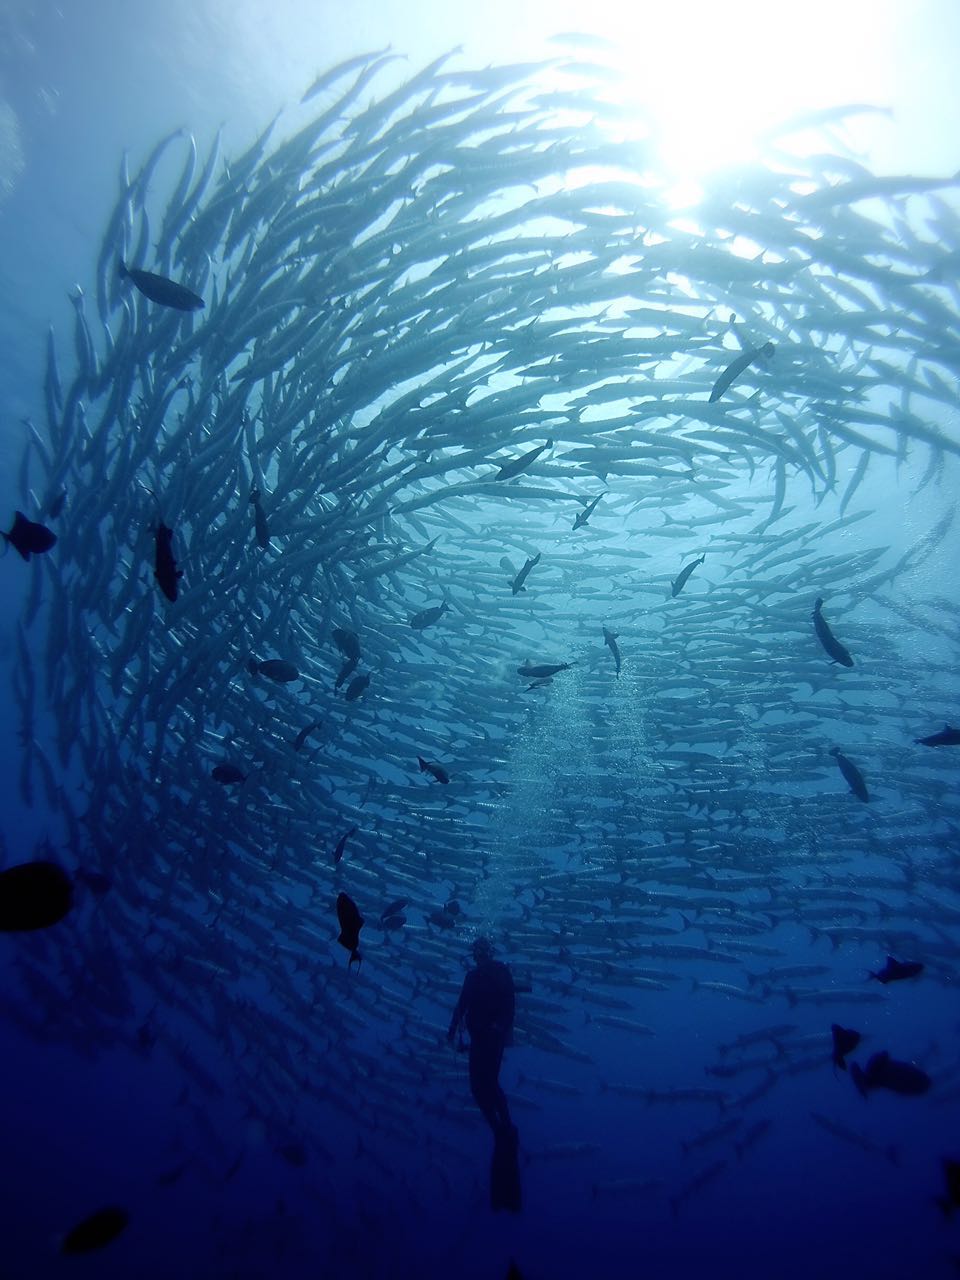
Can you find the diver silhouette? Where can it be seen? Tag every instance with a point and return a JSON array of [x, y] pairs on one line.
[[486, 1004]]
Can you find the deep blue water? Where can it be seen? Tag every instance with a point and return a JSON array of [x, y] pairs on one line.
[[91, 1124]]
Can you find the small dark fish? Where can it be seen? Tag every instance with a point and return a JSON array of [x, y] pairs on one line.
[[898, 970], [342, 844], [393, 922], [28, 537], [95, 881], [277, 669], [947, 737], [346, 671], [165, 566], [610, 640], [356, 687], [304, 733], [511, 469], [33, 895], [951, 1177], [260, 528], [96, 1231], [294, 1153], [517, 584], [443, 919], [227, 773], [542, 670], [55, 506], [348, 642], [844, 1042], [394, 909], [351, 922], [453, 907], [427, 617], [159, 289], [582, 517], [853, 776], [884, 1072], [679, 582], [435, 770], [736, 367], [826, 637]]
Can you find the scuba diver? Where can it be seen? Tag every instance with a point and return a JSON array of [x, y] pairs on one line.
[[486, 1004]]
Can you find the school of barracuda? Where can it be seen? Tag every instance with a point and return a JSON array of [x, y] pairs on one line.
[[439, 324]]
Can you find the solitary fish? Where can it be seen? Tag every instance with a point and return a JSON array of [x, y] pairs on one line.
[[260, 528], [342, 844], [348, 642], [582, 517], [96, 1231], [947, 737], [511, 469], [542, 670], [826, 637], [28, 537], [884, 1072], [854, 778], [164, 565], [435, 770], [610, 640], [898, 970], [356, 687], [677, 585], [33, 895], [736, 367], [304, 733], [394, 909], [351, 922], [844, 1042], [159, 289], [228, 773], [277, 669], [427, 617], [517, 584], [951, 1176]]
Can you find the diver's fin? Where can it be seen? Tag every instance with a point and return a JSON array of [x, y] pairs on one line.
[[505, 1171]]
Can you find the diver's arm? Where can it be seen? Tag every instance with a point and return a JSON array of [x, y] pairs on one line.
[[459, 1011]]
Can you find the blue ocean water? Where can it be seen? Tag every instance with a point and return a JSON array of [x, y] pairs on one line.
[[229, 1164]]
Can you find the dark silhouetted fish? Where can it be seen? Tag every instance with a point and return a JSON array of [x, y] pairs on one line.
[[427, 617], [304, 733], [898, 970], [844, 1042], [351, 922], [826, 637], [947, 737], [542, 670], [95, 881], [514, 468], [164, 565], [96, 1231], [356, 687], [884, 1072], [679, 582], [951, 1178], [342, 844], [28, 537], [736, 367], [276, 669], [348, 642], [435, 770], [854, 778], [582, 517], [610, 640], [227, 773], [33, 895], [260, 528], [517, 584], [394, 909], [159, 289]]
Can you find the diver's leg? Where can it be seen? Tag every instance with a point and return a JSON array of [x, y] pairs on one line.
[[483, 1079], [500, 1098]]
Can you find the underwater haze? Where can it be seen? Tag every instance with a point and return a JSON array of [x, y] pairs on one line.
[[480, 548]]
